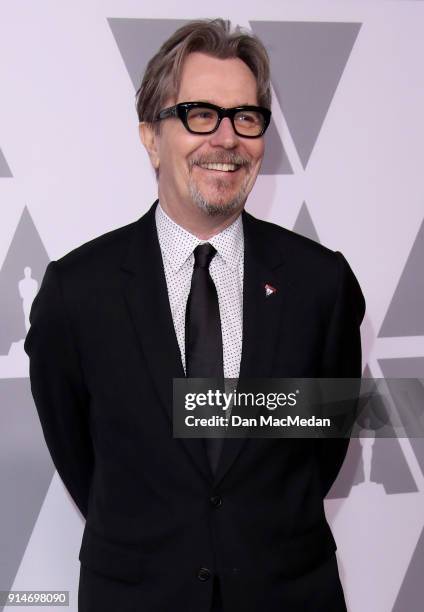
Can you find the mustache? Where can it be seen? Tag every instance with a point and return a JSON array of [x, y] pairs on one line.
[[223, 157]]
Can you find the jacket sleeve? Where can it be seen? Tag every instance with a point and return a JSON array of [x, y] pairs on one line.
[[341, 358], [58, 389]]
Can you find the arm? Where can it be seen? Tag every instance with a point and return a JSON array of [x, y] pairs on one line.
[[341, 358], [58, 389]]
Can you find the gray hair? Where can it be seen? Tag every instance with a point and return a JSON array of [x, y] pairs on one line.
[[162, 77]]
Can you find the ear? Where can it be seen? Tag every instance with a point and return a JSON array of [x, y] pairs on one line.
[[149, 138]]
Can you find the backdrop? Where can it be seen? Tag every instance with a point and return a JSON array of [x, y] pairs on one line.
[[343, 166]]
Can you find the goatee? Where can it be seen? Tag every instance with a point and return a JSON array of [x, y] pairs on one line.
[[219, 206], [216, 209]]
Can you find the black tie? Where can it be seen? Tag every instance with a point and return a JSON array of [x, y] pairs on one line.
[[203, 336]]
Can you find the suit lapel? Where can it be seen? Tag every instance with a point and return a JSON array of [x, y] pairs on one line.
[[265, 290], [263, 311], [146, 296]]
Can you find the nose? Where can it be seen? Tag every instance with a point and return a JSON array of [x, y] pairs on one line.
[[225, 135]]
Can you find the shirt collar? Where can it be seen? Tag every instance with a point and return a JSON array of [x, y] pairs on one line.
[[177, 244]]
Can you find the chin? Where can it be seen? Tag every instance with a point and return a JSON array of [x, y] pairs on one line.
[[222, 208], [216, 205]]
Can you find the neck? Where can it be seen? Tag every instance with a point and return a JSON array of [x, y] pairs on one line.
[[197, 221]]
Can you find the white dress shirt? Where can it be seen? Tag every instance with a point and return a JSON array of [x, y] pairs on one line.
[[226, 269]]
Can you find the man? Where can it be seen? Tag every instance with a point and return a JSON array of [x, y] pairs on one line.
[[184, 524]]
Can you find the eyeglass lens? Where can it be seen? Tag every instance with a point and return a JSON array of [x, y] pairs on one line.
[[246, 123]]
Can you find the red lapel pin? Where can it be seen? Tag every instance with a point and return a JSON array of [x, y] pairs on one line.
[[269, 290]]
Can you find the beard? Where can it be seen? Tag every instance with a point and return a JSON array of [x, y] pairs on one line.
[[220, 205]]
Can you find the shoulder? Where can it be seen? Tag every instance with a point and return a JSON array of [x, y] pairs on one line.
[[322, 272], [98, 257], [100, 247], [294, 248]]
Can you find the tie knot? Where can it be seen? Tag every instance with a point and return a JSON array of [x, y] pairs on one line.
[[203, 255]]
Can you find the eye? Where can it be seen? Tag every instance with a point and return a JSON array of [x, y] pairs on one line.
[[247, 118], [202, 119], [202, 114]]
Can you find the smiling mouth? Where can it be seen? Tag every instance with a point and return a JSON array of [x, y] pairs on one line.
[[220, 167]]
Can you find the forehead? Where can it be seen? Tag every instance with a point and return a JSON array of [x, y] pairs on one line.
[[225, 82]]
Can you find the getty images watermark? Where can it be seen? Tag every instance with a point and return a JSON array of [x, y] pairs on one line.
[[215, 398], [298, 407]]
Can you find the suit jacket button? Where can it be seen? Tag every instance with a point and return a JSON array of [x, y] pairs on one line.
[[216, 501], [203, 574]]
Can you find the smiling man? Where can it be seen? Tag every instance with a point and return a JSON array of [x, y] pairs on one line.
[[196, 287]]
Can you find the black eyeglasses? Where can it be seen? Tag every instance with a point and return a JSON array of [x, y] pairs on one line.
[[204, 118]]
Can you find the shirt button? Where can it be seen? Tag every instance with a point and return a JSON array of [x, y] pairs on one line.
[[203, 574], [216, 501]]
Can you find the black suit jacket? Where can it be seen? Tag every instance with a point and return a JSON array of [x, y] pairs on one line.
[[103, 353]]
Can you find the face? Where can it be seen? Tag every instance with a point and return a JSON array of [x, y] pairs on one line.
[[182, 158]]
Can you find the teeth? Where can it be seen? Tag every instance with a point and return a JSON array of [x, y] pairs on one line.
[[222, 167]]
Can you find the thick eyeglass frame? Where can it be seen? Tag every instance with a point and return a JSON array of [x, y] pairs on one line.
[[181, 111]]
